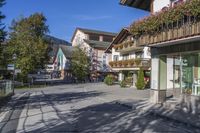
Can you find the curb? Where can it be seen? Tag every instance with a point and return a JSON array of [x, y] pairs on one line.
[[188, 124], [153, 112]]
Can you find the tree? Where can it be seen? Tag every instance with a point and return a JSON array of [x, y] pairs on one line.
[[79, 64], [2, 37], [28, 43], [140, 84]]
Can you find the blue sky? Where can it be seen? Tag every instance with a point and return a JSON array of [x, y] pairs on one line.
[[63, 16]]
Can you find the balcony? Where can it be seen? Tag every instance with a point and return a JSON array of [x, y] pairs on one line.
[[186, 30], [131, 63], [127, 47], [180, 22]]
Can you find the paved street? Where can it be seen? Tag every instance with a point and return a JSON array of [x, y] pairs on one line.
[[82, 108]]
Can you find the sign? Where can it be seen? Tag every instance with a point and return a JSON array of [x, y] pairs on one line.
[[17, 71], [11, 67]]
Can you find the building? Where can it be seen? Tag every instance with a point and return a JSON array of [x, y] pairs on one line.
[[54, 44], [62, 61], [127, 58], [94, 43], [175, 48]]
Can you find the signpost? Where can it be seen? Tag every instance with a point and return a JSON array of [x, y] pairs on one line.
[[17, 71], [11, 67]]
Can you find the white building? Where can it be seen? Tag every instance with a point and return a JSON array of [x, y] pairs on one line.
[[127, 58], [175, 50], [94, 43]]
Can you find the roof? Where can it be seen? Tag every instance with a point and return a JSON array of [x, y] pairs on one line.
[[54, 44], [140, 4], [67, 50], [92, 31], [118, 39], [97, 44]]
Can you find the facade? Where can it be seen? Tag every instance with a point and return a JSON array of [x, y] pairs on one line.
[[175, 52], [54, 44], [62, 62], [127, 58], [94, 43]]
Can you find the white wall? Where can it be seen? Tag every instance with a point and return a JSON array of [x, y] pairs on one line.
[[146, 53], [79, 38], [159, 4], [154, 72], [115, 53]]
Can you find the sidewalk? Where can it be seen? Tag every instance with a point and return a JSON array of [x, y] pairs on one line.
[[172, 114]]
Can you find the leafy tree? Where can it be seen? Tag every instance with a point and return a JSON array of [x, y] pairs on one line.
[[79, 64], [2, 37], [140, 84], [28, 43]]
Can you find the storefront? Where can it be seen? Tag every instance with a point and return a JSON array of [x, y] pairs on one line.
[[175, 71]]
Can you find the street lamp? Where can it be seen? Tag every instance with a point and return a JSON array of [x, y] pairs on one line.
[[14, 57]]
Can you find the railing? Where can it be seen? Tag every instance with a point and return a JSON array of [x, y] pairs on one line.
[[6, 88], [125, 46], [181, 31], [131, 63]]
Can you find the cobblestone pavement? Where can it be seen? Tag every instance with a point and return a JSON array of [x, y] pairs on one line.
[[81, 108]]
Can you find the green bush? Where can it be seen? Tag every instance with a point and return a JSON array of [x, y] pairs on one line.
[[123, 83], [109, 80], [140, 84]]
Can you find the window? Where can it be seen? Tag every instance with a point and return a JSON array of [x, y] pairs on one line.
[[93, 37], [125, 57], [107, 38], [138, 54], [115, 57], [176, 2]]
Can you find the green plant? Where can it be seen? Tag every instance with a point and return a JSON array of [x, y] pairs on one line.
[[123, 84], [109, 80], [131, 62], [111, 63], [140, 84], [137, 62], [152, 24], [129, 81]]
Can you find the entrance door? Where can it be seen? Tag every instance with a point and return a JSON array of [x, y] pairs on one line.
[[177, 76]]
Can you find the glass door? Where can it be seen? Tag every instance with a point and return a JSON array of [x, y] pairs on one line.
[[177, 72]]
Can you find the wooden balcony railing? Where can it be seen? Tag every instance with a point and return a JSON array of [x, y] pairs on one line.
[[131, 63], [126, 46], [188, 29]]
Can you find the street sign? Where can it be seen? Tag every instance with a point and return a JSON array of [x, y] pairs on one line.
[[17, 71], [10, 67]]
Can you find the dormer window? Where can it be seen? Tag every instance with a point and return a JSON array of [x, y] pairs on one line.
[[177, 2]]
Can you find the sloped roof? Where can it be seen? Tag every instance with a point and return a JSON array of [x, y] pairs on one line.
[[97, 32], [118, 39], [140, 4], [54, 44], [92, 31], [97, 44], [67, 50]]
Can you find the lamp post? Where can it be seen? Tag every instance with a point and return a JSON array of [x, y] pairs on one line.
[[14, 59]]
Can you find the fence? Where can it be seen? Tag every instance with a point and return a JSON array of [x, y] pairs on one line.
[[6, 88]]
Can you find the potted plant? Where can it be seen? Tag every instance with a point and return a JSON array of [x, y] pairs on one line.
[[140, 84], [137, 62]]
